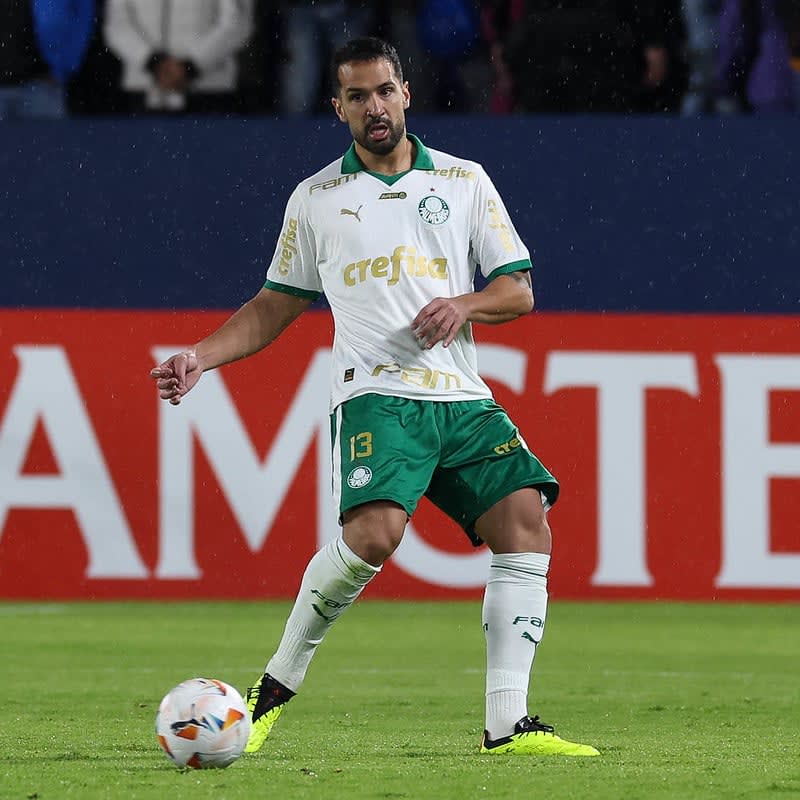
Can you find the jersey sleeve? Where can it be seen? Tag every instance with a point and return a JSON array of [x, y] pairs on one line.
[[495, 243], [293, 269]]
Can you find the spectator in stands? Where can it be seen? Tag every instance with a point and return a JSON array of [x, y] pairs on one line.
[[95, 87], [448, 31], [313, 31], [584, 55], [497, 18], [178, 55], [754, 71], [260, 61], [42, 43], [701, 20], [445, 63]]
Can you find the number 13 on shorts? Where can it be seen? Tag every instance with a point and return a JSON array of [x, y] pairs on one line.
[[361, 445]]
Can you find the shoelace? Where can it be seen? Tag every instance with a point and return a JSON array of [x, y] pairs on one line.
[[533, 724]]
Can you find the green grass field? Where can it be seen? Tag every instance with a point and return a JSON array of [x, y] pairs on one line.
[[684, 701]]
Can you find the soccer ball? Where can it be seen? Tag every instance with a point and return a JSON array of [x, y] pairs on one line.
[[202, 724]]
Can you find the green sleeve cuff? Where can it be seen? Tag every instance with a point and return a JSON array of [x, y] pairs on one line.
[[293, 290], [522, 265]]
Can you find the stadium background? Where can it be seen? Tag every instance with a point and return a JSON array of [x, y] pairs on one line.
[[659, 377]]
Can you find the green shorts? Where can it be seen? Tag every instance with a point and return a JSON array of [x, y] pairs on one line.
[[463, 456]]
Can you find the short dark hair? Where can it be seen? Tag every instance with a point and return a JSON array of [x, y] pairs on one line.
[[365, 48]]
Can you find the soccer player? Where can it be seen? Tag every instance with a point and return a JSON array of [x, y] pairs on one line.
[[392, 232]]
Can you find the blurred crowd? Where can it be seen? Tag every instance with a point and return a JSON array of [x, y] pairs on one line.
[[136, 57]]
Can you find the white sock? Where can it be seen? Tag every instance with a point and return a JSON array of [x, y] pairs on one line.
[[332, 581], [514, 611]]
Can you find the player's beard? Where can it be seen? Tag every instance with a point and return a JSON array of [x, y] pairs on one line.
[[396, 131]]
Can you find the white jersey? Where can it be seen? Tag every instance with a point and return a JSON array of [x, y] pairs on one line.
[[381, 248]]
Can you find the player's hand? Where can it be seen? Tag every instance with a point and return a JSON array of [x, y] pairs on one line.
[[657, 66], [171, 75], [439, 321], [176, 376]]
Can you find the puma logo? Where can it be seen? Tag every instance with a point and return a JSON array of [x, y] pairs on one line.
[[345, 211]]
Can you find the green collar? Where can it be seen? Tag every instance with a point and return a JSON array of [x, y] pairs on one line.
[[352, 163]]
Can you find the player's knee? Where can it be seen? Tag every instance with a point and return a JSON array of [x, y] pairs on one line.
[[541, 537], [374, 531], [374, 546], [383, 543], [528, 536]]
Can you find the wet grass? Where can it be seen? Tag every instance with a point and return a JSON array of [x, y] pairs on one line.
[[684, 701]]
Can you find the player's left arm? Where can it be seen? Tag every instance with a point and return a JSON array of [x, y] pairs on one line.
[[505, 263], [506, 298]]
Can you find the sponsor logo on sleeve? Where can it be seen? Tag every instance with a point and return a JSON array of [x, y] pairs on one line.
[[497, 223], [288, 247]]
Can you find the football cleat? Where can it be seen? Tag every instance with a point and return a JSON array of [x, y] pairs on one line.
[[533, 738], [265, 702]]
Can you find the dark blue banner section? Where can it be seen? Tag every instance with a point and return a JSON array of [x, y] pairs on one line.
[[621, 214]]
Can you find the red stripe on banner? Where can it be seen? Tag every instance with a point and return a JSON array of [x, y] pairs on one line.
[[675, 438]]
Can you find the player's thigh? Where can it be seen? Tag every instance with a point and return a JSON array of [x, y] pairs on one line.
[[487, 460], [516, 524], [384, 448]]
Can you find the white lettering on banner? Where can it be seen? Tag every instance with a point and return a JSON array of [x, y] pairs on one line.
[[45, 389], [621, 380], [421, 559], [255, 491], [748, 462]]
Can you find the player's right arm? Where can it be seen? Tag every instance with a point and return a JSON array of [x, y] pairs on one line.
[[255, 325]]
